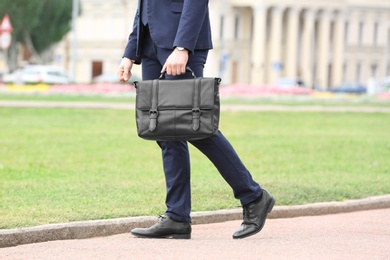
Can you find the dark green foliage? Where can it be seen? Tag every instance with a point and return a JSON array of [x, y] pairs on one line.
[[37, 24], [53, 24], [24, 15]]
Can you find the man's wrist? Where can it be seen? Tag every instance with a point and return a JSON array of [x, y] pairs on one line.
[[181, 48], [132, 61]]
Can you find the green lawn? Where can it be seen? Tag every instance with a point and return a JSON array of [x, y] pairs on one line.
[[60, 165], [337, 100]]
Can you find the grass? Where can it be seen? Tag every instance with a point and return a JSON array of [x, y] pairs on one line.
[[60, 165], [337, 100]]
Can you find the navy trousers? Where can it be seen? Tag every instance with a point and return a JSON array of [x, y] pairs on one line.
[[175, 154]]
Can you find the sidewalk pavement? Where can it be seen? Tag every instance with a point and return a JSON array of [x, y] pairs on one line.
[[100, 228], [351, 235]]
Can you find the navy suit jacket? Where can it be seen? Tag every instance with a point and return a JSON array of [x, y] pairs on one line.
[[172, 23]]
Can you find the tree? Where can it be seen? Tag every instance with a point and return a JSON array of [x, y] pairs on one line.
[[55, 23], [24, 16], [38, 25]]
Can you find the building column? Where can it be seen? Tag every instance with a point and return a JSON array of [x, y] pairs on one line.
[[292, 43], [276, 44], [245, 42], [228, 42], [258, 44], [352, 41], [323, 49], [338, 50], [368, 28], [307, 67], [367, 41], [383, 41], [213, 65], [354, 23]]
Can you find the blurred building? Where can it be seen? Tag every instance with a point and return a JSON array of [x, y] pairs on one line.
[[324, 43], [97, 44]]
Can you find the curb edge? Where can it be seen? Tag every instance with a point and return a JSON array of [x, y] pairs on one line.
[[99, 228]]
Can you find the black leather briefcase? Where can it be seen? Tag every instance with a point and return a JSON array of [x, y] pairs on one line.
[[173, 110]]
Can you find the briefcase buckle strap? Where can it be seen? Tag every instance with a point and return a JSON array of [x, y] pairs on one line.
[[153, 114], [196, 118], [196, 104]]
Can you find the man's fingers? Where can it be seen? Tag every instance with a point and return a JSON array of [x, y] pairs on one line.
[[119, 72], [125, 74], [176, 63], [124, 70], [164, 68], [174, 70]]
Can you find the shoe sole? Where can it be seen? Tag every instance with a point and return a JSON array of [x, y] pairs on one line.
[[171, 236], [270, 207]]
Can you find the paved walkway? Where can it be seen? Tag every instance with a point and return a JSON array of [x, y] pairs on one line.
[[353, 229], [354, 235]]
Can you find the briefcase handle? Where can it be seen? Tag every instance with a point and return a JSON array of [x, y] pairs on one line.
[[187, 69]]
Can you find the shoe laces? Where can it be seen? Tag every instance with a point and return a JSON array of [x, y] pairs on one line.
[[246, 215], [161, 218]]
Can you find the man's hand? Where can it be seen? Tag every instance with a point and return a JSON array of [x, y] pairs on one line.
[[124, 70], [176, 63]]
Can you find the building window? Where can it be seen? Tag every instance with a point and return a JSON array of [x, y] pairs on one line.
[[345, 72], [268, 26], [387, 48], [358, 71], [235, 72], [388, 68], [375, 42], [374, 67], [252, 26], [221, 26], [361, 26], [331, 36], [97, 68], [236, 27], [346, 32]]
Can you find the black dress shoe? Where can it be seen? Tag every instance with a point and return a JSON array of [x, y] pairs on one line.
[[166, 227], [255, 214]]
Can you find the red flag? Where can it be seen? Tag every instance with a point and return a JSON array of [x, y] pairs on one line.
[[6, 25]]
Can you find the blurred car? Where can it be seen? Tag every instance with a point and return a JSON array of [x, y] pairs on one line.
[[288, 86], [384, 84], [106, 78], [290, 82], [111, 78], [350, 88], [34, 74]]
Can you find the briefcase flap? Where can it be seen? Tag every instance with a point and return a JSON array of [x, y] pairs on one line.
[[177, 94]]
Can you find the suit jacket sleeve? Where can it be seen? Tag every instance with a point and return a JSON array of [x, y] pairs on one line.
[[131, 47], [191, 22]]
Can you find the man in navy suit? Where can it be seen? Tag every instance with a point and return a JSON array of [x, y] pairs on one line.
[[167, 36]]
